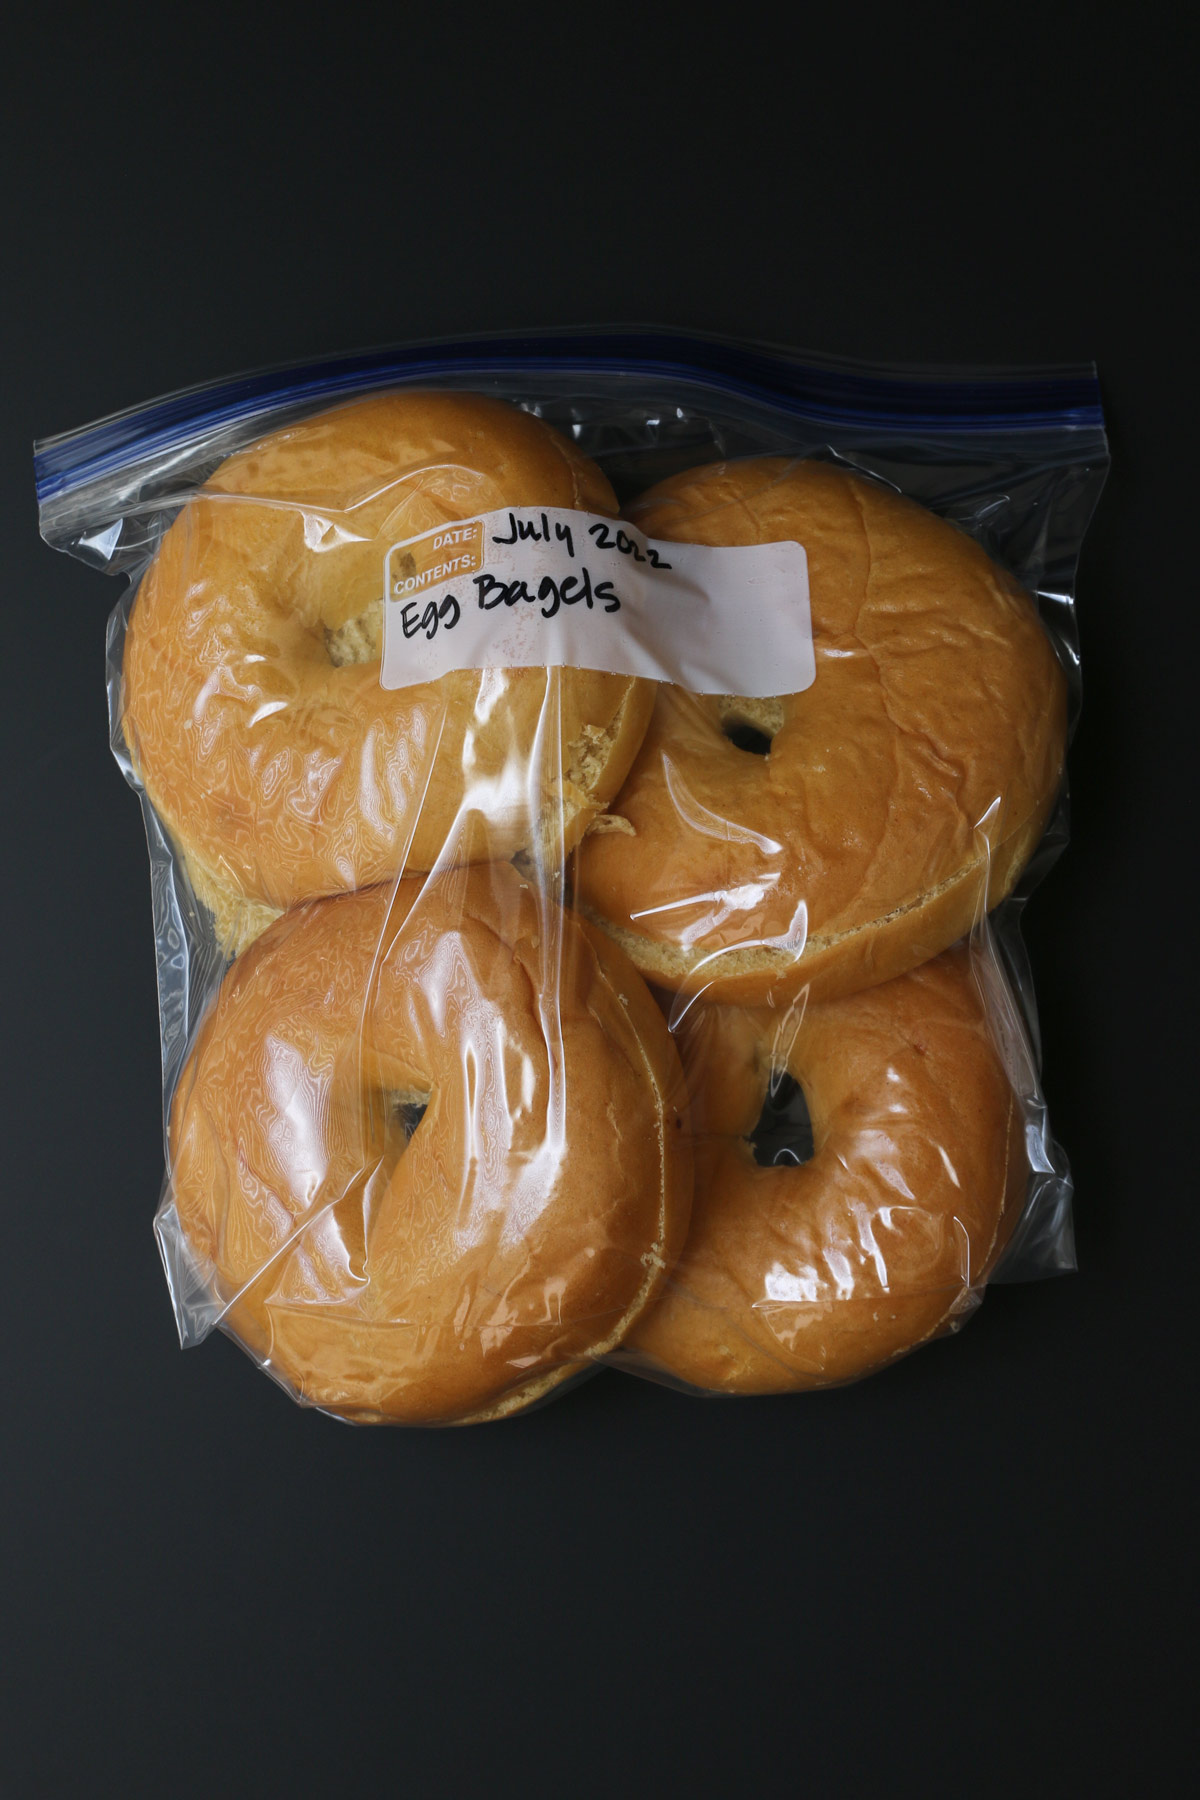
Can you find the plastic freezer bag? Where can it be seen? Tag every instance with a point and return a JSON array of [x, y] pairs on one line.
[[591, 786]]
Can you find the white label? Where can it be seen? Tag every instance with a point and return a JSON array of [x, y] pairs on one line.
[[533, 587]]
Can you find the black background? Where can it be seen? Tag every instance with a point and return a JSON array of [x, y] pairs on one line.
[[964, 1575]]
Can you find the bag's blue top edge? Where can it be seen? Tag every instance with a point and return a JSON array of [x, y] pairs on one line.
[[824, 390]]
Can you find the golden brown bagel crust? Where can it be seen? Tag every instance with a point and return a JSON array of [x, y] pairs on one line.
[[907, 785], [526, 1224], [252, 705], [798, 1277]]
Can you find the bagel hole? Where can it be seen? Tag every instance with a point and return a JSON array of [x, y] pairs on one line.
[[744, 736], [750, 724], [406, 1112], [357, 641], [392, 1120], [783, 1137]]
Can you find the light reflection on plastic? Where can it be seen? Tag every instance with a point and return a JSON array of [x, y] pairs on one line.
[[266, 709], [951, 1171], [325, 534], [295, 1133], [710, 824], [784, 1284]]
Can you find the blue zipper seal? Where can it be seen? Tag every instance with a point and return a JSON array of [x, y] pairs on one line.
[[823, 391]]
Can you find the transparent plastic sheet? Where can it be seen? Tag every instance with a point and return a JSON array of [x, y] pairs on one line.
[[389, 1247]]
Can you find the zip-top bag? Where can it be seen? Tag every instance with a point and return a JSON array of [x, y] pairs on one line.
[[592, 782]]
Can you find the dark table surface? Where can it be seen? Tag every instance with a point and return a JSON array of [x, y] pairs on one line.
[[965, 1575]]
